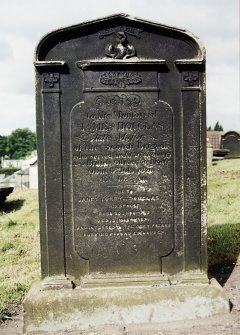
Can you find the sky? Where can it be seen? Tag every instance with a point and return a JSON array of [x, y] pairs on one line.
[[23, 23]]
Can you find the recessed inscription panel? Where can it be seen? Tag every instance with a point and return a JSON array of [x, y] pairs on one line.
[[122, 177]]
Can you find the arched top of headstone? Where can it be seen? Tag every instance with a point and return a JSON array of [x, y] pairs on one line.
[[101, 38], [231, 133]]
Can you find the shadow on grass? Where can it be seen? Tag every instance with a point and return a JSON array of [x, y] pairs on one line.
[[223, 250], [10, 206]]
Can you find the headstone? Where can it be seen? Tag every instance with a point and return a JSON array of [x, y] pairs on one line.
[[231, 141], [122, 171]]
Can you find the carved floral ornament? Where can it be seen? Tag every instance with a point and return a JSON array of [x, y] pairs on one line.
[[120, 78], [127, 30], [122, 49], [190, 77]]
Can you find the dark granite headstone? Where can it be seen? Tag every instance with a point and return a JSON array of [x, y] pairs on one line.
[[122, 178], [122, 150], [231, 141]]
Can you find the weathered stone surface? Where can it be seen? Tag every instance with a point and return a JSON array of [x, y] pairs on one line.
[[91, 309], [122, 184]]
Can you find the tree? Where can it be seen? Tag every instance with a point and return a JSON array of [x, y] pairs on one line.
[[209, 128], [21, 142], [218, 127], [3, 146]]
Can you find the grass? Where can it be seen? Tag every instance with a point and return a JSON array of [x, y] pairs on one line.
[[19, 233], [19, 248], [223, 192], [223, 212]]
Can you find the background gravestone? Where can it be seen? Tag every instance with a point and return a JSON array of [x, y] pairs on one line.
[[231, 141], [122, 168]]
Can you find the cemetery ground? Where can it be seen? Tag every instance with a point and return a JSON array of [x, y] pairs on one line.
[[20, 255]]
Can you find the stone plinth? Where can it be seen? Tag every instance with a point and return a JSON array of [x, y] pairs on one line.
[[83, 309]]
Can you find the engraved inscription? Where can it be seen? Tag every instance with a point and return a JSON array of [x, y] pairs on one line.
[[120, 99], [122, 168], [120, 79]]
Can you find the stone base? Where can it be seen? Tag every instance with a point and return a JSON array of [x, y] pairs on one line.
[[50, 309]]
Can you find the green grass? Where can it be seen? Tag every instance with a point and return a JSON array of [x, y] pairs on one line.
[[223, 192], [223, 212], [19, 233], [19, 248], [5, 246]]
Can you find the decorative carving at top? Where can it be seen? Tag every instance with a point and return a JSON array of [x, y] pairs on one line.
[[50, 79], [190, 77], [122, 49], [127, 30]]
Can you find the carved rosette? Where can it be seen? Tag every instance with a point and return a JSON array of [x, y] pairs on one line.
[[190, 78]]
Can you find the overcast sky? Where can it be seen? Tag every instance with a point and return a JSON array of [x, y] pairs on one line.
[[23, 23]]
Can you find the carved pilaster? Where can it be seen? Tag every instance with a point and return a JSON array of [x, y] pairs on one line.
[[50, 171]]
